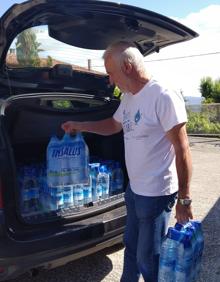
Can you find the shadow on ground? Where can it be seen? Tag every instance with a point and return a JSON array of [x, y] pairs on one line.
[[211, 257], [93, 268]]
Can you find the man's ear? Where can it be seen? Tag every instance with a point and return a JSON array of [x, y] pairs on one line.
[[127, 67]]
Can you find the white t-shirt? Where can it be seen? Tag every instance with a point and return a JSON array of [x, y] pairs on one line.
[[149, 155]]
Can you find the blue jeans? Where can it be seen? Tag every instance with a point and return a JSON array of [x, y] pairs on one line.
[[147, 222]]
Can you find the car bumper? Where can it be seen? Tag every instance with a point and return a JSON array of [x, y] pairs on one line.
[[112, 233]]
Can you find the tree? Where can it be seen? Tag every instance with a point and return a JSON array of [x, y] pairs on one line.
[[27, 48], [216, 91], [117, 92], [210, 89], [49, 61]]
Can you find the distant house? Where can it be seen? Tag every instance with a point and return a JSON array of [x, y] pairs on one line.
[[11, 61]]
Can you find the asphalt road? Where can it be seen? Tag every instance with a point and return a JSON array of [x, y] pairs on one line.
[[106, 265]]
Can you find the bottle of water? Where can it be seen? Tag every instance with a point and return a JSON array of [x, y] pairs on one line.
[[168, 256], [54, 154], [183, 270], [26, 190], [56, 197], [55, 175], [93, 171], [78, 154], [78, 195], [20, 179], [87, 191], [35, 189], [110, 169], [67, 153], [118, 178], [103, 182], [196, 244], [200, 243], [68, 196]]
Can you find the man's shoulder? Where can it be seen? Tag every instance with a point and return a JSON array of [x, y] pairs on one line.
[[155, 87]]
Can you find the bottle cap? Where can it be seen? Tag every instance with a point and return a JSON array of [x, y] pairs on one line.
[[103, 168], [174, 234], [66, 136]]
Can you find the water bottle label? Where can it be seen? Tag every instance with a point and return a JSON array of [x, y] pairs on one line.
[[67, 161], [68, 195], [99, 191], [58, 200], [87, 192]]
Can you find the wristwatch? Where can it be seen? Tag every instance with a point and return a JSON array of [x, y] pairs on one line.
[[185, 202]]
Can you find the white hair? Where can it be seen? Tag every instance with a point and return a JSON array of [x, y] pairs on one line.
[[123, 51]]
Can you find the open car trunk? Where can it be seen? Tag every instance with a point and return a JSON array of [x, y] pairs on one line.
[[27, 124]]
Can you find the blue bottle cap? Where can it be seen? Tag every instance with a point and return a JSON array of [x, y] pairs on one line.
[[103, 168], [66, 136], [54, 138], [174, 234], [178, 226]]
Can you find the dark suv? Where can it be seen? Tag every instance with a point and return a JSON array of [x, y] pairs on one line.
[[50, 72]]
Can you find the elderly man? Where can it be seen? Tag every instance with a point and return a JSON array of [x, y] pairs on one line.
[[157, 156]]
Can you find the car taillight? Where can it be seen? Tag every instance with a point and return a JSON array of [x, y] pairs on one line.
[[1, 195]]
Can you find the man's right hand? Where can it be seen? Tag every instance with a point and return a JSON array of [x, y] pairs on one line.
[[71, 127]]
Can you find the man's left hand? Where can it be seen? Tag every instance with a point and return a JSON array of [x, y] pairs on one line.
[[183, 213]]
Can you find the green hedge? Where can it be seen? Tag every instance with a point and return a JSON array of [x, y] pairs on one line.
[[202, 123]]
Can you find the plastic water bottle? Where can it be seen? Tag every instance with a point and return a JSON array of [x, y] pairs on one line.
[[103, 182], [194, 245], [200, 242], [35, 189], [198, 234], [197, 245], [110, 169], [66, 155], [20, 178], [26, 194], [54, 152], [168, 256], [56, 197], [79, 160], [184, 259], [118, 178], [93, 171], [87, 191], [68, 196], [78, 195]]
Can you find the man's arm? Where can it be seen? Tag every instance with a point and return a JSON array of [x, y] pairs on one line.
[[103, 127], [178, 137]]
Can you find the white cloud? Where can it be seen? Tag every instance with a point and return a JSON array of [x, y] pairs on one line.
[[186, 73]]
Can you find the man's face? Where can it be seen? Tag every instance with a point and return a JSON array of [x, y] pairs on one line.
[[116, 75]]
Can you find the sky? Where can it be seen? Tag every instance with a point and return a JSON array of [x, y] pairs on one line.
[[182, 65]]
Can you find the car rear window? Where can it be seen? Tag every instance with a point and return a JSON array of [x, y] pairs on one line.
[[35, 48]]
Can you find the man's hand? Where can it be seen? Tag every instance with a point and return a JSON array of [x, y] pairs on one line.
[[71, 127], [183, 213]]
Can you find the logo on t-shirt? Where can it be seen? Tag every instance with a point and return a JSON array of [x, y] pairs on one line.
[[137, 117]]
